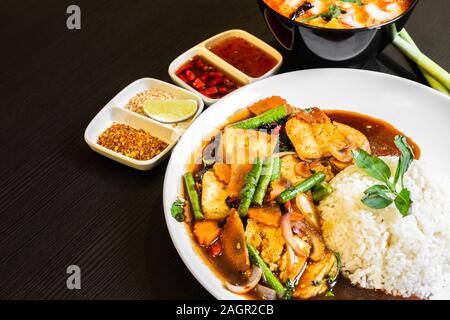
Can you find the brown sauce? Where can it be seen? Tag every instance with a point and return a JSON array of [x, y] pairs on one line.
[[381, 137]]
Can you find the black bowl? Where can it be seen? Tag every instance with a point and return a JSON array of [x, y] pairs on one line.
[[332, 47]]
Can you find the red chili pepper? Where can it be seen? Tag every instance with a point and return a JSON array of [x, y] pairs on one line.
[[203, 92], [199, 63], [223, 90], [214, 82], [287, 206], [215, 249], [190, 75], [216, 74], [182, 77], [185, 67], [211, 91], [198, 84], [204, 77]]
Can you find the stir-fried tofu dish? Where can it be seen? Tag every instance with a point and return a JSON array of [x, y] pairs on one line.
[[254, 197], [340, 14]]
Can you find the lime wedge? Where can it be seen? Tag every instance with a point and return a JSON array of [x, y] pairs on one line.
[[170, 111]]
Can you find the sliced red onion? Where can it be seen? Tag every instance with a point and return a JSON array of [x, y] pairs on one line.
[[266, 293], [251, 283], [286, 228]]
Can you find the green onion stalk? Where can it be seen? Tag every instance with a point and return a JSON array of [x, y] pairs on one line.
[[437, 77]]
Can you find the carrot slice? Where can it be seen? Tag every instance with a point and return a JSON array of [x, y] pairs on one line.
[[266, 104], [270, 216], [237, 178], [222, 172], [240, 115], [233, 243], [206, 232]]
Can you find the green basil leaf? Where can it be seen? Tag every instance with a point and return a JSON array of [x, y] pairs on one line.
[[377, 189], [177, 210], [405, 160], [403, 202], [334, 12], [373, 166], [376, 197]]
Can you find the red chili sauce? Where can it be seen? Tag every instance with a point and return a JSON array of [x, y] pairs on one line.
[[244, 56]]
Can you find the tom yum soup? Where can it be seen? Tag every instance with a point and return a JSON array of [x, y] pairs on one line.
[[340, 14]]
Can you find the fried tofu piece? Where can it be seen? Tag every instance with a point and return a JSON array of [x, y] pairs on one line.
[[267, 240], [269, 216], [239, 149], [239, 146], [323, 133], [302, 137], [235, 250], [214, 197]]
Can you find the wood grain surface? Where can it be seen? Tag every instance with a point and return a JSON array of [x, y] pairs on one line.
[[61, 203]]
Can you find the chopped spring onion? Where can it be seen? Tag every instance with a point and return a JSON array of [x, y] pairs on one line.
[[432, 81], [423, 61]]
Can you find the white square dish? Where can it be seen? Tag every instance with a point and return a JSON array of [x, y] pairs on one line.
[[122, 98], [202, 50], [253, 40], [108, 116], [211, 58], [115, 111]]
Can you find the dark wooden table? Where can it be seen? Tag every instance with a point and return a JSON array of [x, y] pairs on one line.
[[61, 203]]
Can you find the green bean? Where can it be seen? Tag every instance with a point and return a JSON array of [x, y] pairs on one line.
[[269, 277], [276, 169], [321, 191], [249, 189], [304, 186], [193, 195], [267, 117], [264, 181]]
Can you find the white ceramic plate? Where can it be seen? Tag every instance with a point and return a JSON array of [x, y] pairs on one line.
[[420, 112]]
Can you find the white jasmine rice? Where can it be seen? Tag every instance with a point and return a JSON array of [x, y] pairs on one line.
[[380, 249]]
